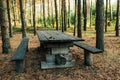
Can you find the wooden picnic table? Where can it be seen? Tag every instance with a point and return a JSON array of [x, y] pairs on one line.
[[56, 36], [59, 45]]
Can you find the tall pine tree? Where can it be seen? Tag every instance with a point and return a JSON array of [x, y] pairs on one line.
[[100, 24], [4, 27]]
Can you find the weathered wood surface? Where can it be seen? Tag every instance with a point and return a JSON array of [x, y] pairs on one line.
[[88, 48], [87, 52], [21, 50], [19, 55], [87, 58], [59, 44], [56, 36]]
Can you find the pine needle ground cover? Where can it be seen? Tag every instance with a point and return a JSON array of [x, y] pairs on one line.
[[105, 66]]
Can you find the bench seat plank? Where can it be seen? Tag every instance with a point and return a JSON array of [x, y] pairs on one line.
[[21, 50], [87, 52], [88, 48], [19, 55]]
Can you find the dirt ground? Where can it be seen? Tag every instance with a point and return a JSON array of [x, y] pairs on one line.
[[106, 66]]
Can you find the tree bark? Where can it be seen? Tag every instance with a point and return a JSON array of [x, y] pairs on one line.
[[91, 14], [64, 4], [48, 12], [52, 14], [62, 11], [4, 27], [117, 18], [106, 16], [34, 21], [22, 19], [64, 28], [75, 24], [85, 14], [79, 30], [68, 13], [59, 14], [100, 24], [56, 14], [110, 5], [44, 12], [9, 18], [14, 12]]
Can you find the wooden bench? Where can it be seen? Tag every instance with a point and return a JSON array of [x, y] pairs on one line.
[[87, 52], [19, 55]]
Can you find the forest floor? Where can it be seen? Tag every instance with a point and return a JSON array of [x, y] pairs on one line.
[[106, 66]]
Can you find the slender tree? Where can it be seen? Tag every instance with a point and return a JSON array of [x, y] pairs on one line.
[[40, 7], [56, 14], [65, 17], [4, 27], [68, 13], [64, 28], [75, 24], [9, 18], [117, 18], [79, 30], [59, 13], [22, 19], [62, 11], [106, 20], [25, 11], [14, 12], [100, 24], [44, 12], [85, 14], [30, 12], [91, 14], [49, 11], [52, 13], [110, 7], [34, 24]]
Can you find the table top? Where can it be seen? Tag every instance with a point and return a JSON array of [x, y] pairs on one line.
[[56, 36]]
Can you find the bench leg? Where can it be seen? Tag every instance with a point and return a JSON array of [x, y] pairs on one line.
[[87, 58], [20, 66]]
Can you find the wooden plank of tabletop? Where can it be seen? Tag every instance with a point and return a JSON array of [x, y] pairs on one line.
[[56, 36], [41, 36]]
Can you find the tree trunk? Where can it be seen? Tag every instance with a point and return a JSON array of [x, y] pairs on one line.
[[56, 14], [110, 5], [44, 13], [64, 16], [91, 14], [34, 24], [79, 30], [85, 14], [22, 19], [75, 24], [64, 4], [31, 17], [100, 24], [106, 15], [68, 13], [4, 27], [60, 20], [9, 18], [52, 14], [62, 11], [14, 12], [117, 18], [48, 13]]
